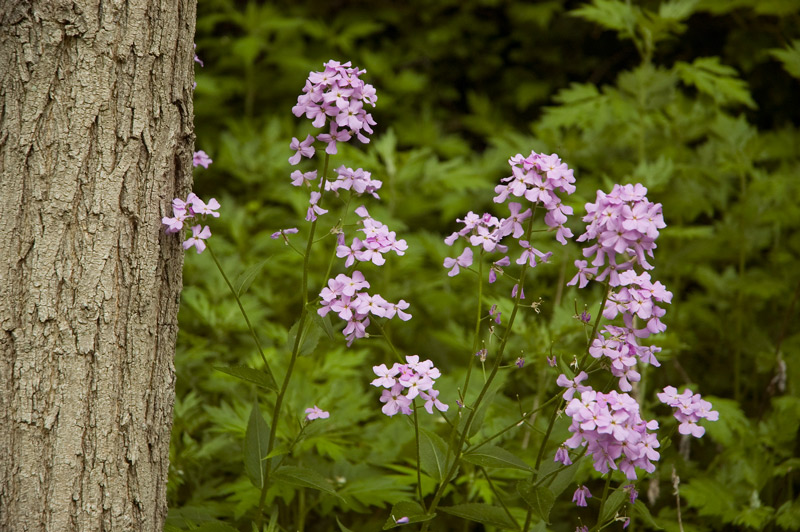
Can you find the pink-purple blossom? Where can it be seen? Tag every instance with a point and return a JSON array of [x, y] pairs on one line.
[[316, 413], [615, 435], [336, 96], [199, 235], [344, 296], [302, 149], [185, 210], [623, 226], [404, 382], [690, 409], [580, 496], [201, 158]]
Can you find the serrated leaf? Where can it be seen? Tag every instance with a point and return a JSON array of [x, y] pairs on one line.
[[410, 509], [254, 376], [539, 499], [256, 442], [719, 81], [432, 454], [613, 504], [303, 477], [246, 278], [482, 513], [677, 9], [611, 14], [788, 515], [641, 509], [789, 57], [492, 456]]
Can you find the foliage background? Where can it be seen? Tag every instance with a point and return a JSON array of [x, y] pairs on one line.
[[698, 100]]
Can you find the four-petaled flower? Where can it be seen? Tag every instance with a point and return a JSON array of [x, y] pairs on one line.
[[316, 413], [201, 158], [197, 239]]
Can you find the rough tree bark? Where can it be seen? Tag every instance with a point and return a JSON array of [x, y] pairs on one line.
[[96, 137]]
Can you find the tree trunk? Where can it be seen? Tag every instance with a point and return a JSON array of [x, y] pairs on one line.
[[96, 138]]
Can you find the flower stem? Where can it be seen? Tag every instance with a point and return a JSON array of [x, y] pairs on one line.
[[603, 502], [276, 412], [499, 499], [484, 390], [596, 322], [267, 369], [419, 474], [476, 337]]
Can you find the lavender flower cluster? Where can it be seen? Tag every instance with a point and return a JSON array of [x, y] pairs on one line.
[[691, 408], [185, 210], [378, 240], [610, 424], [343, 296], [337, 96], [624, 225], [404, 382], [537, 178], [622, 228]]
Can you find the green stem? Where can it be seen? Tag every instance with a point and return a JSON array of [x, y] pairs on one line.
[[267, 369], [276, 412], [499, 499], [596, 321], [603, 502], [510, 427], [460, 447], [419, 474], [550, 425], [389, 342], [477, 334]]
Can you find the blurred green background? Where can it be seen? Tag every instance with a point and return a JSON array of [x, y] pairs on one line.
[[697, 100]]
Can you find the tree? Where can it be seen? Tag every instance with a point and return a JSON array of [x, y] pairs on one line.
[[96, 138]]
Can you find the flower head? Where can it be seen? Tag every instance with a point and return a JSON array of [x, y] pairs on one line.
[[316, 413], [580, 496], [201, 158]]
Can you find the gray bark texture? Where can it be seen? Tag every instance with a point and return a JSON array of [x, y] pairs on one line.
[[96, 138]]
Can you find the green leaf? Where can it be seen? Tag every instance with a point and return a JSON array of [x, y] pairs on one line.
[[789, 57], [677, 9], [477, 421], [215, 526], [256, 442], [492, 456], [342, 528], [611, 14], [719, 81], [613, 504], [409, 509], [309, 339], [540, 499], [641, 509], [303, 477], [482, 513], [788, 515], [246, 278], [432, 454], [324, 323], [259, 378]]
